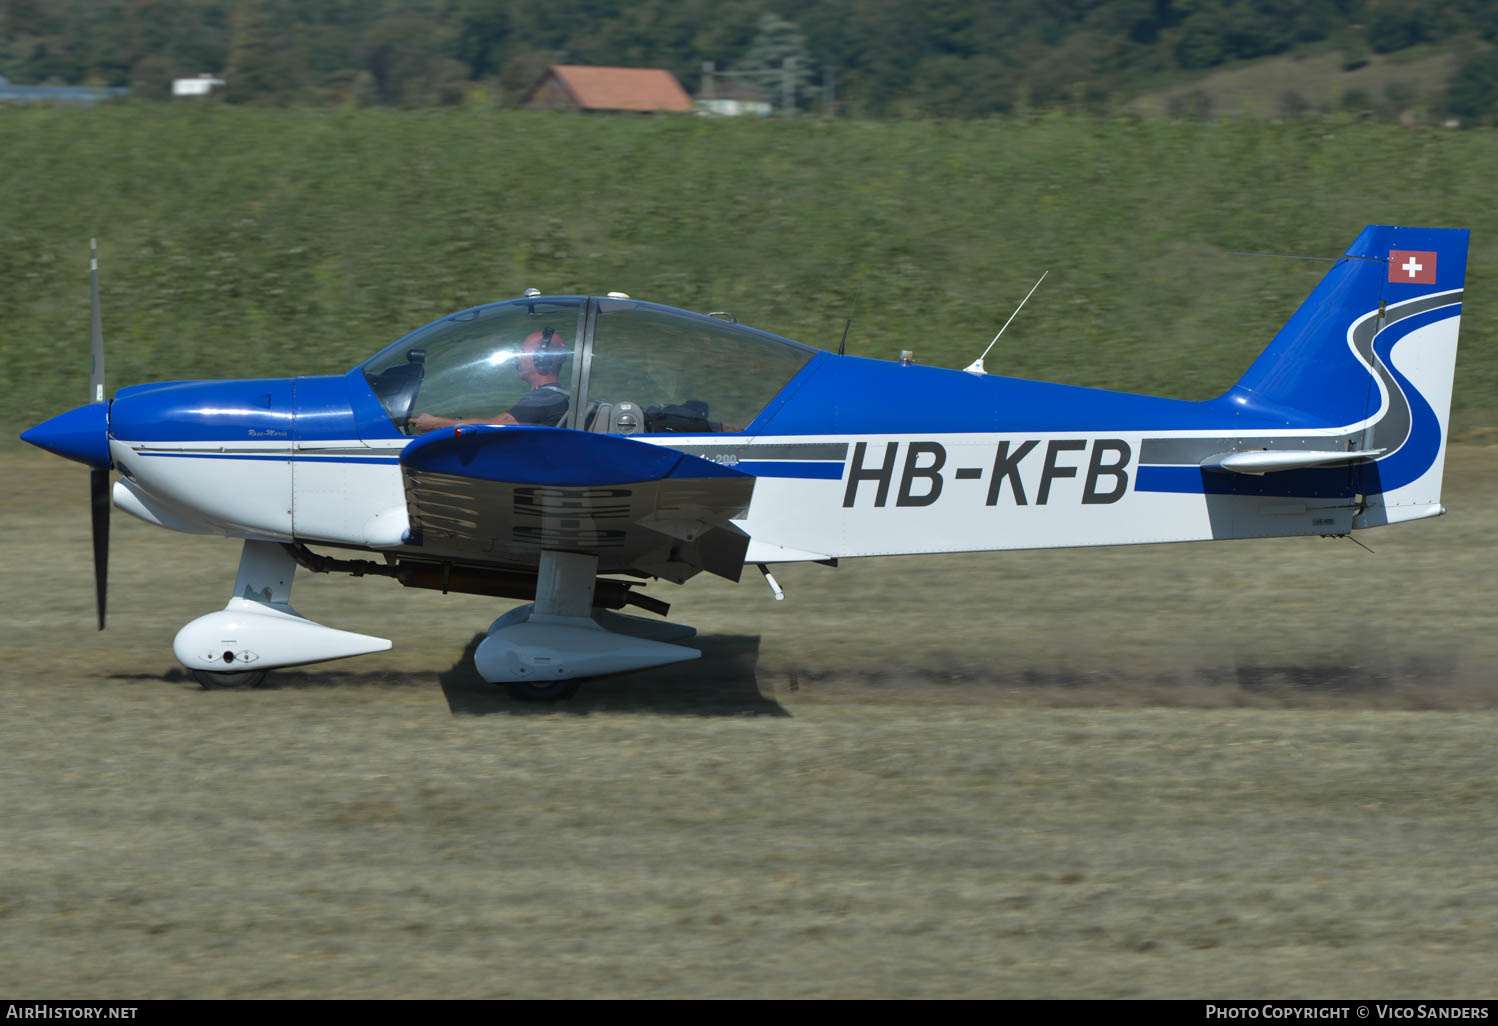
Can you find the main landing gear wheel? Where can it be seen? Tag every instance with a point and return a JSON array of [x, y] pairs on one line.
[[556, 691], [213, 680]]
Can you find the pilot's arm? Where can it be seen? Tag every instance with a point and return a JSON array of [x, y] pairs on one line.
[[545, 406], [424, 422]]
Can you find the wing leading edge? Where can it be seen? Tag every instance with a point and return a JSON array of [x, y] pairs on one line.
[[503, 494]]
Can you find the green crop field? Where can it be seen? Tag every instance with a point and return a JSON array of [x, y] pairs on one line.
[[243, 242], [1252, 769]]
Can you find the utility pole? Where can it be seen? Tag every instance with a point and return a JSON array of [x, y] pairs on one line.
[[706, 92], [788, 87]]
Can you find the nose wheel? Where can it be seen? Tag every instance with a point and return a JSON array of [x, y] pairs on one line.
[[553, 691], [214, 680]]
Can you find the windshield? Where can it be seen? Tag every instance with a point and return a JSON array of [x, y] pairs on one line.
[[503, 363], [656, 369]]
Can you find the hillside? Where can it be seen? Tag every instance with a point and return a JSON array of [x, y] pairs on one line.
[[1409, 86]]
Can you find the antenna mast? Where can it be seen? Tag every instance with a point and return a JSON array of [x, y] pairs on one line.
[[976, 367]]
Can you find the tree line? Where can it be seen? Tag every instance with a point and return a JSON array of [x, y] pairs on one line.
[[894, 58]]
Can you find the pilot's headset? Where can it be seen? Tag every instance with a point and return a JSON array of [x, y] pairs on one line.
[[550, 354]]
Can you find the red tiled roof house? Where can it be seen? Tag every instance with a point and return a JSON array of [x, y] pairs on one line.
[[577, 87]]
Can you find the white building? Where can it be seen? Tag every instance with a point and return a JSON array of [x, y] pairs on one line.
[[723, 96], [200, 86]]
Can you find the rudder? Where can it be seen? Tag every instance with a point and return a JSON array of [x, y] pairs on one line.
[[1372, 354]]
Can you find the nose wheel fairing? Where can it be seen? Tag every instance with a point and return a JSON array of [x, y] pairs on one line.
[[259, 630]]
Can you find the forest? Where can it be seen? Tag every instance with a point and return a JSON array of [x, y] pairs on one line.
[[892, 59]]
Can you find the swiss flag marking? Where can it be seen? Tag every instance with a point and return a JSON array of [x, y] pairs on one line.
[[1412, 267]]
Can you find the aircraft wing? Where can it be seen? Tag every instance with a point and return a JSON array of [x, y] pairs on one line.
[[490, 494]]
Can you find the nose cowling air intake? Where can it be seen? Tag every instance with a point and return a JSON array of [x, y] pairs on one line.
[[81, 434]]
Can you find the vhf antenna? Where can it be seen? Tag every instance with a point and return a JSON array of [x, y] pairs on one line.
[[842, 343], [976, 367]]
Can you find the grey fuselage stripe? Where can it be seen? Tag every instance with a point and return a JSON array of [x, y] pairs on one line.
[[743, 451], [773, 451], [286, 451], [1389, 433]]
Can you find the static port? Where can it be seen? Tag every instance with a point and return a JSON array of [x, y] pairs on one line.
[[228, 657]]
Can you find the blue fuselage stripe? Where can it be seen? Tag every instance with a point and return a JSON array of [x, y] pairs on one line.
[[1168, 479], [792, 468]]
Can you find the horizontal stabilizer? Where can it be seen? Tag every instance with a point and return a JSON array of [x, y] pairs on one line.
[[524, 647], [1267, 461]]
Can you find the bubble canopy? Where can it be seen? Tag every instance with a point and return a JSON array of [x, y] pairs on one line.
[[619, 366]]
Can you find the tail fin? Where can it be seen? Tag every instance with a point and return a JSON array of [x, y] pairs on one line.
[[1371, 354]]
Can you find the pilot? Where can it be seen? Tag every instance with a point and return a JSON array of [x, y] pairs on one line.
[[538, 363]]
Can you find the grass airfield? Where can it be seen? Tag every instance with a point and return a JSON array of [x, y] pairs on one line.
[[1252, 769]]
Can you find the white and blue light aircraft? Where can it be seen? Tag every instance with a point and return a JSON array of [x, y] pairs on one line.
[[566, 449]]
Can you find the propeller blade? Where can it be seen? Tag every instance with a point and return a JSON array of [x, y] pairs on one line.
[[98, 483], [96, 328], [98, 480]]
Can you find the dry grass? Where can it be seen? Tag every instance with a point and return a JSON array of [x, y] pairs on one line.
[[1248, 770]]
